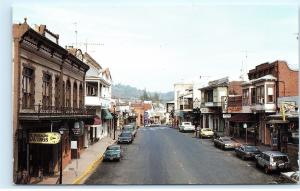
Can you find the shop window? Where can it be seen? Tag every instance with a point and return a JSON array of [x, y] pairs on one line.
[[28, 88]]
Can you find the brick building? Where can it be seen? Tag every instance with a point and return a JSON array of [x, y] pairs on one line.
[[48, 96]]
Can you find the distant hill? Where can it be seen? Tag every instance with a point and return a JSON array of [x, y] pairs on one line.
[[131, 93]]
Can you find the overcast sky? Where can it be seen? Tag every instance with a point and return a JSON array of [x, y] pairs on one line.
[[154, 45]]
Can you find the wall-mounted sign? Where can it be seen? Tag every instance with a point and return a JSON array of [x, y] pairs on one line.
[[73, 144], [206, 110], [44, 138], [226, 115], [78, 128]]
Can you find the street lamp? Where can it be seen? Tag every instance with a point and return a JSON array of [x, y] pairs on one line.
[[61, 131], [245, 127], [114, 122]]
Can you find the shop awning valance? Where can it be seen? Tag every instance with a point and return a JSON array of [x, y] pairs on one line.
[[106, 114], [242, 118]]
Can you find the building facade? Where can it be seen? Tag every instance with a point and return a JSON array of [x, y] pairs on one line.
[[48, 96]]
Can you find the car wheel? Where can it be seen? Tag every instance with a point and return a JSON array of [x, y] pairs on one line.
[[266, 169], [243, 157]]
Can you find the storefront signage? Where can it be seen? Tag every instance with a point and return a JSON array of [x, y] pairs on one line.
[[226, 115], [224, 103], [44, 138], [78, 128], [206, 110], [73, 144], [234, 109]]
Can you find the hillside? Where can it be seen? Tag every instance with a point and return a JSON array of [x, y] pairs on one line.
[[129, 92]]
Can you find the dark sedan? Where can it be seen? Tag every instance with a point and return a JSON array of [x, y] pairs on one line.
[[125, 137], [247, 151]]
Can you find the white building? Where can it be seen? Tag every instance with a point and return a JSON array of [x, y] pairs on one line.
[[98, 98]]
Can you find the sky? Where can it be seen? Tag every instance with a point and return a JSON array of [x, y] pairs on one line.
[[155, 44]]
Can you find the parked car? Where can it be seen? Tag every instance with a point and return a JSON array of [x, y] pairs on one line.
[[247, 151], [112, 152], [225, 143], [206, 133], [130, 128], [272, 161], [292, 176], [295, 137], [186, 126], [125, 137]]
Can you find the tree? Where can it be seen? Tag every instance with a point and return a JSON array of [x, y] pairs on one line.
[[145, 95]]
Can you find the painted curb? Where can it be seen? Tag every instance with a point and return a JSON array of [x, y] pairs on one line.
[[89, 169]]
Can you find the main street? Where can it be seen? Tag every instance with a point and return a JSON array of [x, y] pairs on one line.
[[161, 155]]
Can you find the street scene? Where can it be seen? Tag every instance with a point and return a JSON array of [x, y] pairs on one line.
[[115, 94]]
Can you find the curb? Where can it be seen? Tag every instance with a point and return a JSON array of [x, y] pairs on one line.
[[89, 169]]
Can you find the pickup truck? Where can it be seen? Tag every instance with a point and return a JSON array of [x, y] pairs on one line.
[[186, 126]]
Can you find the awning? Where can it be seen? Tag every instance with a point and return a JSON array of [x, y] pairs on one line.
[[242, 118], [106, 114], [277, 121]]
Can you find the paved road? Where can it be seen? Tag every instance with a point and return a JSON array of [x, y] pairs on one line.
[[161, 155]]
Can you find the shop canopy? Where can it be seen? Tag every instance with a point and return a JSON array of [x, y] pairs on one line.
[[242, 118], [106, 114]]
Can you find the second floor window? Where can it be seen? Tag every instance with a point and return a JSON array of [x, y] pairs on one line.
[[28, 88], [246, 97], [80, 96], [68, 94], [46, 90], [75, 95], [253, 96], [270, 94], [260, 94], [57, 92]]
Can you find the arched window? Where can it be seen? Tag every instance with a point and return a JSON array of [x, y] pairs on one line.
[[47, 90], [68, 94], [75, 94], [57, 92], [80, 96]]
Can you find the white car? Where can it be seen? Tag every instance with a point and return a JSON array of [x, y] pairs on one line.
[[186, 126]]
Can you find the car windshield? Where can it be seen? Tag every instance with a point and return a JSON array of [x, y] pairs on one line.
[[186, 123], [280, 158], [206, 130], [251, 149], [225, 139], [125, 135], [127, 127], [113, 148]]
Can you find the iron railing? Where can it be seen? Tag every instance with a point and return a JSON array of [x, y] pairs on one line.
[[41, 110]]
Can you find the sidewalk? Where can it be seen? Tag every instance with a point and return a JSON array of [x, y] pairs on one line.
[[78, 170]]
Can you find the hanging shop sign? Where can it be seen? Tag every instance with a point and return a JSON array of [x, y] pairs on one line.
[[78, 128], [44, 138], [226, 115]]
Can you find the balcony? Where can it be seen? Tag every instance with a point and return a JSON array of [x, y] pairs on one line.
[[39, 112], [211, 104], [97, 101]]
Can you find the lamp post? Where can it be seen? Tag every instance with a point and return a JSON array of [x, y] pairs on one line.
[[114, 122], [61, 131], [245, 127]]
